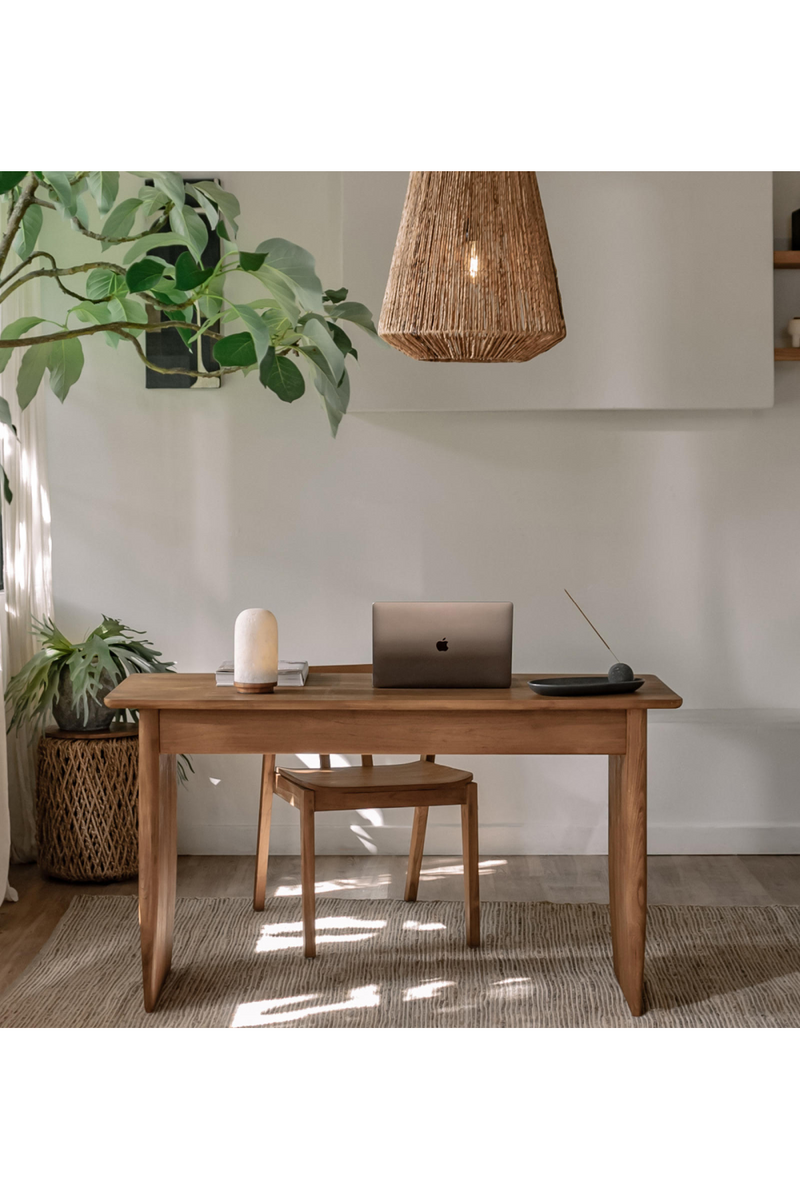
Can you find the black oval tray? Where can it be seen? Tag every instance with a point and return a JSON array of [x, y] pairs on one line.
[[583, 685]]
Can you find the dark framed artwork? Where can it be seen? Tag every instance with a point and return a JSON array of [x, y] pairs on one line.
[[168, 349]]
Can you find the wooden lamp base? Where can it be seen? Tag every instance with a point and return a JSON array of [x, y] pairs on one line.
[[254, 687]]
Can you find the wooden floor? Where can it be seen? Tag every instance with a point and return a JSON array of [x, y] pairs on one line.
[[692, 879]]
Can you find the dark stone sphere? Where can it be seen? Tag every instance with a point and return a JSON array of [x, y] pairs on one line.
[[620, 673]]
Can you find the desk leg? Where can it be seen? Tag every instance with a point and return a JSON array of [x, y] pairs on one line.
[[158, 855], [627, 858], [469, 832], [308, 874], [264, 822]]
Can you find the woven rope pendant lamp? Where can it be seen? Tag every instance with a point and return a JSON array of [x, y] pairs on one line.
[[472, 276]]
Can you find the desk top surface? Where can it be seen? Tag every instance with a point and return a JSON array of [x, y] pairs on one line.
[[353, 690]]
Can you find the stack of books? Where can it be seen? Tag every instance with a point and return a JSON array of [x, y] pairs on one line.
[[290, 674]]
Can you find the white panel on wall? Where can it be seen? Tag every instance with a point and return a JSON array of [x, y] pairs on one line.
[[666, 281]]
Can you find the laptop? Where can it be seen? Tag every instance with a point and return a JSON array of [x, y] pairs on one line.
[[418, 644]]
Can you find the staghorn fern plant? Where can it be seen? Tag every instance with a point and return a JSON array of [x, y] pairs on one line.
[[71, 679]]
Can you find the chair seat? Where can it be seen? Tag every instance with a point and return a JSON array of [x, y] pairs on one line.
[[405, 777]]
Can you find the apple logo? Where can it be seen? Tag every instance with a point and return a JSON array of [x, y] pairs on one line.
[[442, 645]]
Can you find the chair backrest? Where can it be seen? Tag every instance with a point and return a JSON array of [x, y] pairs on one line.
[[353, 669], [366, 760]]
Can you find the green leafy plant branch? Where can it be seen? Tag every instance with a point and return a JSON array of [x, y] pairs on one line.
[[294, 323]]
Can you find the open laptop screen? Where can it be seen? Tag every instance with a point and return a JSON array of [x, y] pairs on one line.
[[447, 644]]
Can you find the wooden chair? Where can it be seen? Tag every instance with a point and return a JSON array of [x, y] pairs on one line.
[[419, 785]]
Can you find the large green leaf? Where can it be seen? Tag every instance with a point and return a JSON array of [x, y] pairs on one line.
[[101, 283], [65, 364], [123, 309], [134, 311], [151, 241], [31, 370], [188, 275], [120, 220], [12, 331], [335, 399], [212, 214], [335, 295], [235, 351], [28, 232], [339, 397], [296, 263], [318, 335], [186, 335], [342, 340], [278, 323], [359, 314], [153, 199], [282, 377], [282, 289], [172, 184], [256, 327], [5, 414], [59, 182], [209, 306], [115, 310], [192, 228], [80, 216], [266, 302], [104, 186], [170, 295], [250, 262], [92, 313], [145, 274], [322, 369], [10, 179], [227, 204]]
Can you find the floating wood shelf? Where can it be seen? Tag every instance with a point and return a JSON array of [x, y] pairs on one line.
[[786, 260]]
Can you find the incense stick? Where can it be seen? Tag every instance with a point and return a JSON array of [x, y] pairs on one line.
[[597, 631]]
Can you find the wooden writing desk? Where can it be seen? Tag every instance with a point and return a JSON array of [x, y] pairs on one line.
[[339, 712]]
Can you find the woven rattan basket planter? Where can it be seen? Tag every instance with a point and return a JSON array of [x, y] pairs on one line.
[[87, 792]]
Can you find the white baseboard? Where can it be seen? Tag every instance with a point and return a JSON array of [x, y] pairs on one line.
[[724, 839]]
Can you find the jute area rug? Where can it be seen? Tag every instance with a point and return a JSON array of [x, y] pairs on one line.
[[386, 964]]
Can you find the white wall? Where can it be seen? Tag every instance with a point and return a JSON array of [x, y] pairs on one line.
[[174, 510]]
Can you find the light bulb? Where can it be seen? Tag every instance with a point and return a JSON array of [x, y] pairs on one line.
[[473, 260]]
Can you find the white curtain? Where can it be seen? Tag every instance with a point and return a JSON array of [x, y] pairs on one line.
[[6, 890], [27, 553]]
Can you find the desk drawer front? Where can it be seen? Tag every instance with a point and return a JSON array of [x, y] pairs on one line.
[[259, 732]]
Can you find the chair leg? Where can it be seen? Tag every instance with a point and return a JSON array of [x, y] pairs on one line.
[[307, 874], [264, 821], [469, 837], [415, 853]]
